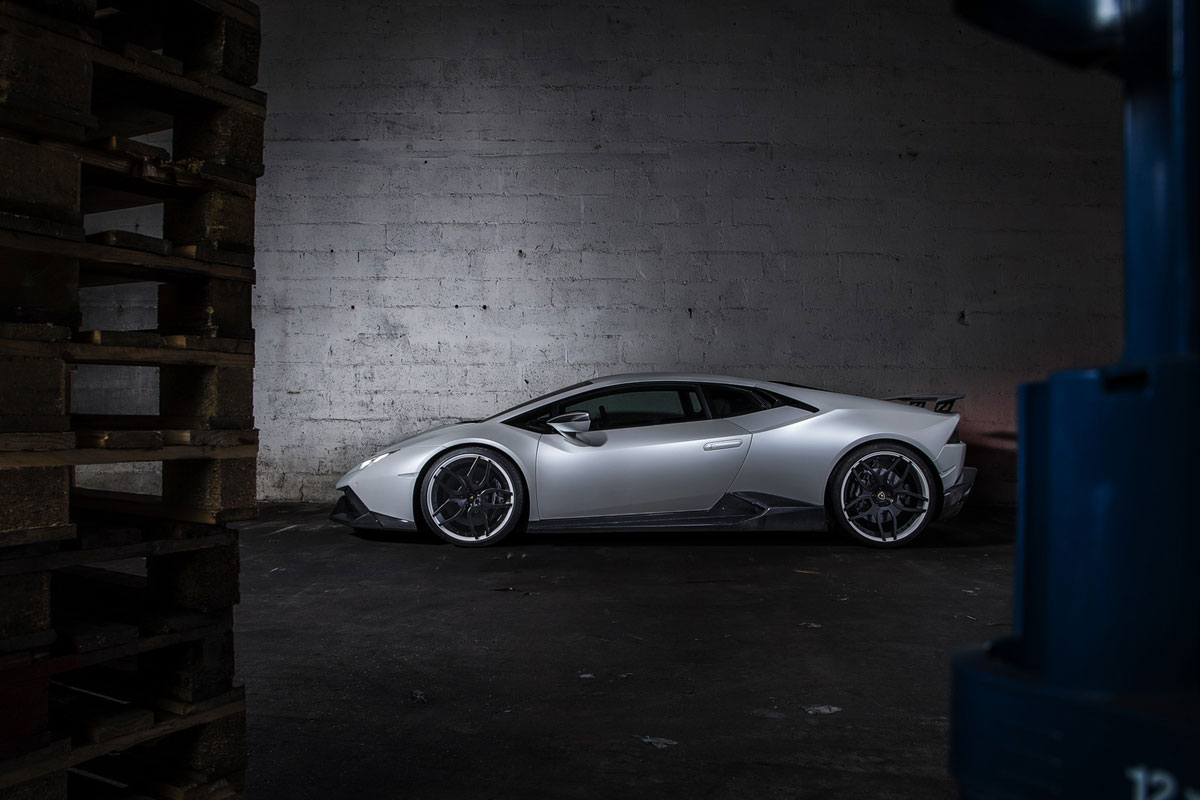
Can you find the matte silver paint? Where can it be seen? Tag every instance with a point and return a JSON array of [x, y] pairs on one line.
[[687, 466]]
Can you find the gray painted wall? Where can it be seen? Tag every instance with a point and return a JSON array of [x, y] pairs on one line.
[[469, 203]]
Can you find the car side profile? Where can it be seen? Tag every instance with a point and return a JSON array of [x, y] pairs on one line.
[[672, 452]]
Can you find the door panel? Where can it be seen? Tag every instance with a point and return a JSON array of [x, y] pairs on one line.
[[656, 468]]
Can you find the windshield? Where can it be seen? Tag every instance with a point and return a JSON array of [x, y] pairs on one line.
[[539, 398]]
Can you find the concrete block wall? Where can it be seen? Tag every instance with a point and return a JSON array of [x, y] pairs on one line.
[[468, 203]]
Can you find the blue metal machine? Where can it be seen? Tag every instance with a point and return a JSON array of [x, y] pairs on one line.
[[1097, 693]]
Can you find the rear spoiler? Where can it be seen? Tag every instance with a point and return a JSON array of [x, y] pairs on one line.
[[943, 403]]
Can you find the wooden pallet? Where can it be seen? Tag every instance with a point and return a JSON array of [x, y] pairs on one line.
[[78, 80]]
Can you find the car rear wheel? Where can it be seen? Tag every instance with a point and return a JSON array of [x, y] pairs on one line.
[[882, 495], [472, 497]]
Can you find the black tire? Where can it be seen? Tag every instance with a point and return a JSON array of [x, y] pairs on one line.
[[883, 494], [472, 497]]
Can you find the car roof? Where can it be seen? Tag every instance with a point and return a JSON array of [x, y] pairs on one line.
[[606, 381], [669, 377]]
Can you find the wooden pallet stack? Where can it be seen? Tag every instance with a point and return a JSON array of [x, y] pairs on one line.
[[116, 645]]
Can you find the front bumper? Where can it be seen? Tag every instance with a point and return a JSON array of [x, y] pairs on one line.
[[952, 500], [349, 510]]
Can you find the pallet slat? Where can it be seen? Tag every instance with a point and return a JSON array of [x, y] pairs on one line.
[[107, 259], [101, 455]]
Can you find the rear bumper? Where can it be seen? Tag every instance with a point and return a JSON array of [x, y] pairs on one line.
[[349, 510], [952, 500]]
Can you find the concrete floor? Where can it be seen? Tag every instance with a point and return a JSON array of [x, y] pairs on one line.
[[698, 666]]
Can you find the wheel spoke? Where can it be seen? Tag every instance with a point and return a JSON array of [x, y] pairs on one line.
[[471, 485], [487, 473], [442, 481], [860, 481], [879, 524], [868, 498], [462, 506], [920, 497], [862, 514]]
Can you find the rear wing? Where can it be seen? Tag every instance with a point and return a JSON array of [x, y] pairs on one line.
[[943, 403]]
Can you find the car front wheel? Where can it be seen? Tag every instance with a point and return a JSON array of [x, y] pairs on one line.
[[882, 495], [472, 496]]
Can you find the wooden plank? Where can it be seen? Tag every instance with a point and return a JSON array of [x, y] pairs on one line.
[[120, 440], [34, 331], [23, 665], [130, 79], [84, 637], [132, 241], [104, 455], [244, 424], [208, 251], [120, 338], [39, 640], [165, 723], [103, 257], [81, 11], [87, 353], [130, 147], [141, 505], [41, 227], [154, 356], [144, 55], [53, 533], [67, 558], [36, 441], [117, 724]]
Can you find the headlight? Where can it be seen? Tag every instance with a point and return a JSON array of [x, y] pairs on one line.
[[373, 459]]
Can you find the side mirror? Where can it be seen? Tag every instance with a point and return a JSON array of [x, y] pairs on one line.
[[571, 423]]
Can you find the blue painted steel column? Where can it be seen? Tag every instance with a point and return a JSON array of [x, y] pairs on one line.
[[1097, 693]]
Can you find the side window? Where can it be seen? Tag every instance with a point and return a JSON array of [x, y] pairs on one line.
[[629, 408], [732, 401]]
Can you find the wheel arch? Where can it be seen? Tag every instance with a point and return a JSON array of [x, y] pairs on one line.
[[915, 446], [436, 454]]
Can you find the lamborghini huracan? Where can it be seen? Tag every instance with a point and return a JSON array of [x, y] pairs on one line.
[[673, 452]]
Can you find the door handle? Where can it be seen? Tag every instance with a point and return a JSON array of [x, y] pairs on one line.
[[724, 444]]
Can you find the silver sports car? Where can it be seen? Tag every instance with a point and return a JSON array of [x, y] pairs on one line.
[[672, 452]]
